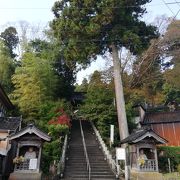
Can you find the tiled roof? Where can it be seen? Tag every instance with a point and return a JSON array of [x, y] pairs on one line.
[[9, 123], [138, 133], [142, 133], [29, 130], [161, 117]]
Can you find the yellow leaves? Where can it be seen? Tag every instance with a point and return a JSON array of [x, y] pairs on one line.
[[172, 76], [34, 83], [144, 94]]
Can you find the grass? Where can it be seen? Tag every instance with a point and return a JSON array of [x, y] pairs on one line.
[[171, 176]]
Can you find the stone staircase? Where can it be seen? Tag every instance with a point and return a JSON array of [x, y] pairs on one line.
[[75, 167], [99, 166]]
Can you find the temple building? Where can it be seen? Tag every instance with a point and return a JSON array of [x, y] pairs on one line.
[[143, 159], [8, 126]]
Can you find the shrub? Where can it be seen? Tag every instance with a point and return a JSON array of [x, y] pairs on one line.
[[60, 118], [173, 153], [59, 125], [51, 151], [57, 130], [178, 168], [55, 120]]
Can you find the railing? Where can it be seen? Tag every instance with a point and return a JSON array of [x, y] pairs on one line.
[[85, 151], [27, 165], [115, 167], [61, 167], [149, 165], [22, 166]]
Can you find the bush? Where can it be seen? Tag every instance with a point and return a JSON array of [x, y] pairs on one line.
[[173, 153], [178, 168], [51, 151], [56, 131], [55, 119]]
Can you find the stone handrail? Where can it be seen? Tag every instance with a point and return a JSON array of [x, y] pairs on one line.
[[63, 156], [111, 161], [85, 152]]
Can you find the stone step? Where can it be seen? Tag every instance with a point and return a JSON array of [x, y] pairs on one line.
[[76, 164], [75, 167]]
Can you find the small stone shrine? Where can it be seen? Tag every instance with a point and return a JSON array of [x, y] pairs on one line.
[[28, 157], [143, 159]]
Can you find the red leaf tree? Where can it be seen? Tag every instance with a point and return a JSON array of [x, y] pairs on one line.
[[61, 118]]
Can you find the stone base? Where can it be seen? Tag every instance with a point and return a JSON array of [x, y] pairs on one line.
[[25, 176], [135, 175]]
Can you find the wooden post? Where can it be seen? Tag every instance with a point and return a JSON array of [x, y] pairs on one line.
[[137, 165], [156, 158], [4, 159], [169, 165], [39, 158], [17, 153]]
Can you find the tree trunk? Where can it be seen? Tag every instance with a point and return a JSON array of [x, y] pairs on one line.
[[120, 103]]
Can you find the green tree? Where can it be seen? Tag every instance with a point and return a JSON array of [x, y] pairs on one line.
[[166, 56], [170, 44], [147, 75], [99, 106], [89, 28], [10, 39], [7, 68], [171, 93], [48, 111], [83, 87], [156, 72], [66, 76], [35, 83]]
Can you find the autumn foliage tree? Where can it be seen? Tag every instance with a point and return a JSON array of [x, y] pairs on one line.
[[171, 45], [60, 118]]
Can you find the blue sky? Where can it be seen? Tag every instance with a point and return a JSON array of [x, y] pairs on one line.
[[39, 11]]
